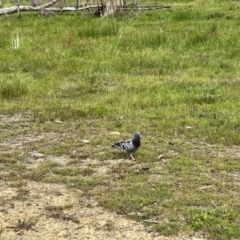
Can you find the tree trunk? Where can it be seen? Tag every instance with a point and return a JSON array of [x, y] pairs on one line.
[[109, 7]]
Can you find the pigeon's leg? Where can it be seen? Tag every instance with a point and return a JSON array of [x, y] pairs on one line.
[[132, 156]]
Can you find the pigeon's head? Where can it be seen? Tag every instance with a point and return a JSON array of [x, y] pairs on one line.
[[137, 135]]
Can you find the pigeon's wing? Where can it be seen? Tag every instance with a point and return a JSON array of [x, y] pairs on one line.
[[126, 145]]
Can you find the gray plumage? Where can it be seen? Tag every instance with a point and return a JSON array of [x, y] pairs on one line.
[[130, 145]]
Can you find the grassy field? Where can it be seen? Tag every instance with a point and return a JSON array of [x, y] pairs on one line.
[[173, 75]]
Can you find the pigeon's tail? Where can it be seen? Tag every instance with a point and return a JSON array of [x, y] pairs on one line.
[[117, 145]]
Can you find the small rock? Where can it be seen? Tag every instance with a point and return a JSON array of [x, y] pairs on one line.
[[74, 152], [114, 133], [37, 155], [58, 121], [206, 187], [40, 160]]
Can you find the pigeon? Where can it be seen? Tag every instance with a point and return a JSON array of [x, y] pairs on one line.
[[130, 145]]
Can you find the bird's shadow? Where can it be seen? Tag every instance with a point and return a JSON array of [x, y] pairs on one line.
[[121, 155]]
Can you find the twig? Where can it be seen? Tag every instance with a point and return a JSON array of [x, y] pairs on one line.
[[18, 10], [146, 8]]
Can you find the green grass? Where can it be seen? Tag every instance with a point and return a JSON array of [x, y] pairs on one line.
[[172, 74]]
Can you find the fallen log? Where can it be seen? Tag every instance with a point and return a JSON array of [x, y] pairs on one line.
[[18, 8], [102, 10], [15, 9]]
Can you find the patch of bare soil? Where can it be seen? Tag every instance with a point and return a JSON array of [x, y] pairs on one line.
[[35, 210], [51, 211]]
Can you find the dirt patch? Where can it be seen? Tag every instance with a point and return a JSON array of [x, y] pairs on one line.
[[54, 212], [51, 211]]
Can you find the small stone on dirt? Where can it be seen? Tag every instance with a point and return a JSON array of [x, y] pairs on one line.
[[114, 133], [37, 155]]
